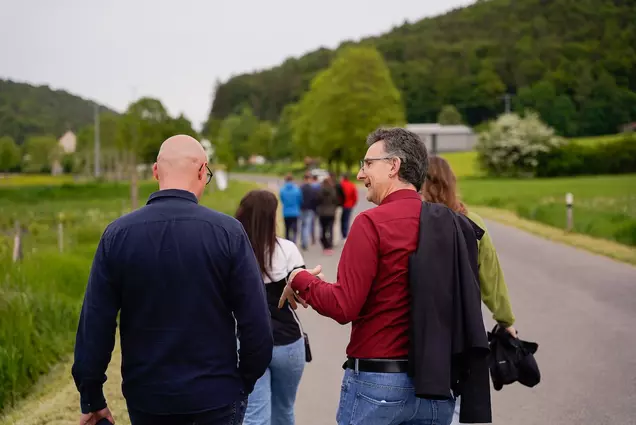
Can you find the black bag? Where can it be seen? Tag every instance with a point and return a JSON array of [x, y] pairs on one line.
[[307, 348], [512, 360]]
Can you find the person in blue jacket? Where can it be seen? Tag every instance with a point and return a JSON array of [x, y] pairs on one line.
[[291, 197]]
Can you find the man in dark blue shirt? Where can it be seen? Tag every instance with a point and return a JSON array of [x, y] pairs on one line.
[[187, 285]]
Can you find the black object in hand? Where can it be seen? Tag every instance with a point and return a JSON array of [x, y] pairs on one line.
[[104, 421]]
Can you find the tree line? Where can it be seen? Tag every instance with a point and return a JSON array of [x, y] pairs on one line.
[[572, 62]]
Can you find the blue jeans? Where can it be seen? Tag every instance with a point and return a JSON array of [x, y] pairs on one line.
[[306, 227], [228, 415], [368, 398], [272, 401]]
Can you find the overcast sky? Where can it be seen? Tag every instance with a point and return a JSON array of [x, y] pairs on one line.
[[115, 51]]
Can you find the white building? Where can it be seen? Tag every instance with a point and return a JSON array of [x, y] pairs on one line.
[[68, 142], [445, 138]]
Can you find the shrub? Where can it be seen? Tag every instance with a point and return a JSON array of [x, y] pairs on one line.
[[574, 159], [512, 144]]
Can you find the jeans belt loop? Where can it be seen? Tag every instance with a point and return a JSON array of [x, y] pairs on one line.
[[357, 366]]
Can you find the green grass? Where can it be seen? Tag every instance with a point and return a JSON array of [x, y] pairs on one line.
[[595, 140], [40, 296], [604, 206]]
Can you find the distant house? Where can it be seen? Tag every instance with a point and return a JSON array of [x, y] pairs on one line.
[[68, 142], [445, 138]]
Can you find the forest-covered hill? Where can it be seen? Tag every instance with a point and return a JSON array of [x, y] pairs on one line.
[[572, 60]]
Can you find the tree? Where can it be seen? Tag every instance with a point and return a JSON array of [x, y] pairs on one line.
[[512, 144], [40, 153], [9, 154], [282, 141], [346, 102], [449, 115], [143, 128]]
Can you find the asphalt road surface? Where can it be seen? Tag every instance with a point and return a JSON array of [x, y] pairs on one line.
[[579, 307]]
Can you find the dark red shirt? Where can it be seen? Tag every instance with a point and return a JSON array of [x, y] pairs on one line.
[[372, 288]]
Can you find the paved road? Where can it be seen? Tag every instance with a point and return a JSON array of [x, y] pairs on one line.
[[579, 307]]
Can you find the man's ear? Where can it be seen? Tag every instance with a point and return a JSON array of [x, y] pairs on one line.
[[155, 172]]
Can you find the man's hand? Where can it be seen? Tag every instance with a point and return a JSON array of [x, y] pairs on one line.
[[290, 295], [94, 417]]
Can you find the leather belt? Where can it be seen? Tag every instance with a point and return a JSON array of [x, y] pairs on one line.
[[377, 366]]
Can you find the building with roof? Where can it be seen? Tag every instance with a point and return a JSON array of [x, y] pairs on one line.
[[445, 138]]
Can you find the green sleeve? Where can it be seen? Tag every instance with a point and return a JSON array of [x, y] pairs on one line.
[[494, 291]]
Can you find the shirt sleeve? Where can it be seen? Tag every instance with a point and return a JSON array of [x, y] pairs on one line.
[[249, 304], [357, 269], [95, 338], [494, 291]]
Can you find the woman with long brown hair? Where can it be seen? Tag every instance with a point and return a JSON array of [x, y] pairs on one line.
[[272, 401], [440, 186]]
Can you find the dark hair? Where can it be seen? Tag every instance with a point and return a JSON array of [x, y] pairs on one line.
[[257, 214], [407, 146], [440, 185]]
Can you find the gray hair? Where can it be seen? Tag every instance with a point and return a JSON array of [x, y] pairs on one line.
[[406, 145]]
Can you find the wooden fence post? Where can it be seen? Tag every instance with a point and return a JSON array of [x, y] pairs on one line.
[[17, 243], [60, 232]]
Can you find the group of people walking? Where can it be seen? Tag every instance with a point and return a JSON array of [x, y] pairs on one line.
[[207, 302], [317, 202]]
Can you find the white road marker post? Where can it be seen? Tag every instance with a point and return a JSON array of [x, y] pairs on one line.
[[569, 203]]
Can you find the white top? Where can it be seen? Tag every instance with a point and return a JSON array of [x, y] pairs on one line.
[[287, 257]]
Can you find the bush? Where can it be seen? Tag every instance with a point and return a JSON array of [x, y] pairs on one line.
[[512, 144], [575, 159]]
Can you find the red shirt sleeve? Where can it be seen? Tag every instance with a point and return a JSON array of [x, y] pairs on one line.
[[343, 300]]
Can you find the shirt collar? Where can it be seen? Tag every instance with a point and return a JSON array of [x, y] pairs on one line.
[[401, 194], [173, 193]]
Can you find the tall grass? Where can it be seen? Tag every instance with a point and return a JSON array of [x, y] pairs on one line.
[[40, 297]]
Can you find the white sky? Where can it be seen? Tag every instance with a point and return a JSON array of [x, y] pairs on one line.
[[115, 51]]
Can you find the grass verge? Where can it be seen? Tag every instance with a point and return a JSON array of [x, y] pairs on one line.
[[609, 249]]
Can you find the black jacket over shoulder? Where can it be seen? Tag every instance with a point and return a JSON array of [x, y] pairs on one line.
[[449, 344]]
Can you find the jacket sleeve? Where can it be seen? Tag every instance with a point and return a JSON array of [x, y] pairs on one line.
[[494, 291], [249, 305]]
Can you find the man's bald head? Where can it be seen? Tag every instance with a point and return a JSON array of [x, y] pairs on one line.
[[180, 164]]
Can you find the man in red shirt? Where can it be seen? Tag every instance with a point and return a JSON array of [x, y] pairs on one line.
[[372, 288], [350, 193]]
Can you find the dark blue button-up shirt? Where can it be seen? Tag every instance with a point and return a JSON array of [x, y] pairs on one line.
[[186, 283]]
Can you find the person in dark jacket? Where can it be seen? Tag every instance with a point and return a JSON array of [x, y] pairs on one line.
[[326, 210], [185, 281], [307, 211]]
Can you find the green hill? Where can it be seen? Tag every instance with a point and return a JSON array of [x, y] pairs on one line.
[[27, 110], [571, 60]]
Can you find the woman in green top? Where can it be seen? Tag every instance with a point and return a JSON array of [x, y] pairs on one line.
[[440, 187]]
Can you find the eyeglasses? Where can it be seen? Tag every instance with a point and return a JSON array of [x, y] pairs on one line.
[[367, 161], [210, 174]]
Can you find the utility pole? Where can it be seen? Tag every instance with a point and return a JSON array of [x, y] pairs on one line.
[[507, 98], [97, 148]]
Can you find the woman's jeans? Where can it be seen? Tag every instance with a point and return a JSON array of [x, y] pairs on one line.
[[368, 398], [272, 401]]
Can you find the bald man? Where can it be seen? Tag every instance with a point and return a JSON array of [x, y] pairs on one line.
[[184, 280]]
